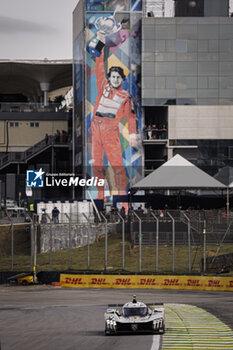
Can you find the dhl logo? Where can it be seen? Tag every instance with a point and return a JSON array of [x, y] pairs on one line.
[[214, 283], [100, 281], [123, 281], [147, 282], [230, 284], [70, 280], [171, 282], [193, 283]]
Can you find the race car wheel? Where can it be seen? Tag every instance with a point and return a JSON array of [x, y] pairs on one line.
[[162, 329], [107, 331], [25, 283]]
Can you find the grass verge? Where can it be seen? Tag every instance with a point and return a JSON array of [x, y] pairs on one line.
[[79, 258]]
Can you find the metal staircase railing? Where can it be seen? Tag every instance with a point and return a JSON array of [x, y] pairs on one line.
[[23, 157]]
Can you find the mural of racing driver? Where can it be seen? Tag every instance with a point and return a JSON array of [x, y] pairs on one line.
[[111, 105]]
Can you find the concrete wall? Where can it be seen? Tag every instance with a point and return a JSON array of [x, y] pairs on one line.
[[25, 136], [200, 122]]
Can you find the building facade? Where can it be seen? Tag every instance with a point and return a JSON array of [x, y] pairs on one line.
[[187, 78], [183, 72], [35, 130], [107, 114]]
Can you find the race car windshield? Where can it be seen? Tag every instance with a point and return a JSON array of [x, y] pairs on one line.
[[134, 311]]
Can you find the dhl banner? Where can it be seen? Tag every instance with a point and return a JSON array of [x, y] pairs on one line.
[[145, 281]]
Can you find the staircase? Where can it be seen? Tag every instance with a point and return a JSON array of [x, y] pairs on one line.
[[23, 157]]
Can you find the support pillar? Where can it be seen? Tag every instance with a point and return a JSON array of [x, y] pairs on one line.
[[45, 88]]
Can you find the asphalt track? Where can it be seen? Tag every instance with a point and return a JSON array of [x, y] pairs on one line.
[[45, 317]]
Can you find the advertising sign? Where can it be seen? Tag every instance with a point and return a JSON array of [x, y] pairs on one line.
[[147, 281]]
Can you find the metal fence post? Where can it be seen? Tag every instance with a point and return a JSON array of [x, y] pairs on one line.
[[173, 241], [189, 240], [31, 238], [140, 241], [123, 239], [32, 244], [35, 252], [106, 241], [34, 232], [204, 246], [157, 242], [88, 242], [12, 246], [69, 235], [51, 246], [12, 240]]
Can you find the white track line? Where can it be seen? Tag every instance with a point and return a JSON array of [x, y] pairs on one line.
[[156, 342]]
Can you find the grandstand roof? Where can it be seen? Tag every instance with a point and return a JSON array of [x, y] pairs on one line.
[[24, 76]]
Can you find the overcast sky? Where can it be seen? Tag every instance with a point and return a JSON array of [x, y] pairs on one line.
[[35, 29]]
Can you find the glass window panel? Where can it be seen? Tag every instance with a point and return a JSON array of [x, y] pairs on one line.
[[165, 31], [186, 82], [187, 68], [213, 82], [148, 45], [181, 46], [165, 68], [208, 68], [170, 45], [213, 45], [148, 32], [192, 45], [202, 82], [208, 31], [186, 31], [165, 57], [171, 82], [202, 45]]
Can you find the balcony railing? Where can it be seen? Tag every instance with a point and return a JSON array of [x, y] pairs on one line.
[[22, 107], [154, 134]]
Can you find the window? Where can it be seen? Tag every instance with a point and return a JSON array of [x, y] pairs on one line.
[[14, 124], [34, 125], [181, 46], [134, 311]]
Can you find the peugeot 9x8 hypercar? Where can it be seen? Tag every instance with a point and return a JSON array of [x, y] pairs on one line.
[[134, 317]]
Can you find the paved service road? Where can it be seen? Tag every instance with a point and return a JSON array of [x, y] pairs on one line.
[[45, 317]]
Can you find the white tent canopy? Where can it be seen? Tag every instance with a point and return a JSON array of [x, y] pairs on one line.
[[178, 173]]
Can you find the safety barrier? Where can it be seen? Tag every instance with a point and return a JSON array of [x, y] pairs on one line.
[[147, 282]]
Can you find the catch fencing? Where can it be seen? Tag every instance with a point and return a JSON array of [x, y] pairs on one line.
[[152, 241]]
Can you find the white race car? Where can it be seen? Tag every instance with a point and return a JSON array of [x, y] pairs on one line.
[[134, 317]]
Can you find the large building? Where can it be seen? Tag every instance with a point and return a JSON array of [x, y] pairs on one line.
[[32, 109], [179, 73]]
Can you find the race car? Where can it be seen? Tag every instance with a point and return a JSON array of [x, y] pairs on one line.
[[23, 278], [134, 317]]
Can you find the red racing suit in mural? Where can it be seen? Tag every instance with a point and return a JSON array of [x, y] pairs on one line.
[[111, 105]]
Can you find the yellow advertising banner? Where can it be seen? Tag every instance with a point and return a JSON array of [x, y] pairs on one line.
[[145, 281]]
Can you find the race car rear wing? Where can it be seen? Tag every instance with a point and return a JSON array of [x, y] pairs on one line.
[[148, 304]]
